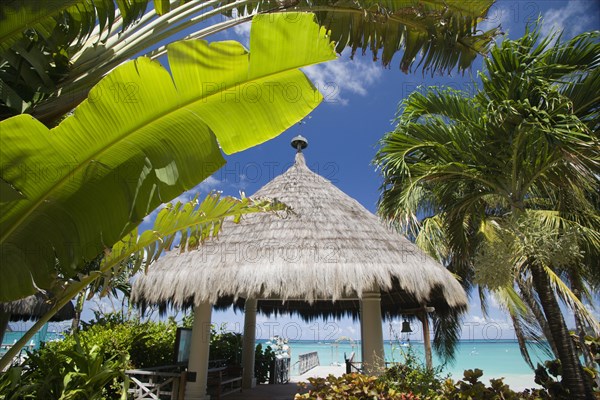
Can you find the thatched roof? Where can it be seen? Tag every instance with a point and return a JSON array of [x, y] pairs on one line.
[[33, 307], [329, 249]]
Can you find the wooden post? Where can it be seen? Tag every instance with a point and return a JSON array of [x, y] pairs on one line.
[[426, 339], [182, 382]]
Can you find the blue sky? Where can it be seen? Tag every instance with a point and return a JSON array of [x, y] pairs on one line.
[[361, 99]]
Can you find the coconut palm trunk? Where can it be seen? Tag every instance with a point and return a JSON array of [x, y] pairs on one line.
[[4, 319], [538, 313], [573, 375]]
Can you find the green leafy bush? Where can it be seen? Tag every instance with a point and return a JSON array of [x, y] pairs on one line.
[[78, 373], [470, 388], [354, 387], [263, 360], [411, 375], [93, 361], [148, 344], [225, 345]]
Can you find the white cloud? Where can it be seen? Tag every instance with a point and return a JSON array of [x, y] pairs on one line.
[[336, 79], [351, 330], [242, 31], [496, 16], [575, 17], [207, 185], [103, 304]]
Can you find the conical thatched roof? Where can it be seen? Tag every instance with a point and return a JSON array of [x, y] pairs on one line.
[[33, 307], [329, 248]]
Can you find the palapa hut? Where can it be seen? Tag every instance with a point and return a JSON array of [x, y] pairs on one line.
[[327, 258], [31, 308]]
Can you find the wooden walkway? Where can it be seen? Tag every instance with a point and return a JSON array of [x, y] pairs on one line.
[[286, 391]]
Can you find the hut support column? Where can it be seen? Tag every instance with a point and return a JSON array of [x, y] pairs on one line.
[[426, 339], [372, 333], [248, 380], [198, 364]]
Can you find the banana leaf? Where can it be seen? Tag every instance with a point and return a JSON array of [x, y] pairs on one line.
[[142, 137]]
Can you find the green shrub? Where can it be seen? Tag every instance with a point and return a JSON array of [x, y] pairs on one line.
[[111, 341], [352, 386], [148, 344], [263, 360], [225, 345], [78, 373], [411, 375], [470, 388]]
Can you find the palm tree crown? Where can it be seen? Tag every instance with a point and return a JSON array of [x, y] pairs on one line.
[[502, 186]]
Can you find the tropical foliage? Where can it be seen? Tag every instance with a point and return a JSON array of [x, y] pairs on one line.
[[413, 381], [263, 359], [352, 386], [53, 53], [225, 345], [502, 186], [107, 346], [80, 372], [364, 387]]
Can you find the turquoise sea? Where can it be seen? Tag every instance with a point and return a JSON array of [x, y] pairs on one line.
[[42, 336]]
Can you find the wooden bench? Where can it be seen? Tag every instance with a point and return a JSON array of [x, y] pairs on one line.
[[224, 380]]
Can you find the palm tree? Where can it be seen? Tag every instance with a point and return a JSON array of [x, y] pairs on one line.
[[52, 53], [501, 185]]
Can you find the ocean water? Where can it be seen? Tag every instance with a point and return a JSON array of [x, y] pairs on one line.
[[497, 358], [42, 336]]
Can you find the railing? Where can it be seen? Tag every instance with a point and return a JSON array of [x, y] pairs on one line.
[[351, 365], [280, 371], [307, 361], [156, 385]]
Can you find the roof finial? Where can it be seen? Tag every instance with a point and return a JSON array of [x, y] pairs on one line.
[[299, 143]]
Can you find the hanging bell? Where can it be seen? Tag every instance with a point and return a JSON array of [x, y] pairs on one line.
[[406, 327]]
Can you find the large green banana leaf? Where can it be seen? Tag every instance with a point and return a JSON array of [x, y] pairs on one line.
[[141, 138]]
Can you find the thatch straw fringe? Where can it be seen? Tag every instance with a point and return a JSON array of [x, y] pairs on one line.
[[35, 306], [330, 247]]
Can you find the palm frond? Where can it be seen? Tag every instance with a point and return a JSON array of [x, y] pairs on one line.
[[444, 32], [569, 298], [447, 329]]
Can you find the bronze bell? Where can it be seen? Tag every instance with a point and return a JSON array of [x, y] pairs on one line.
[[406, 327]]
